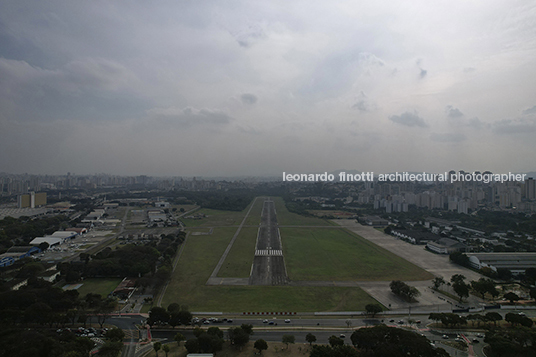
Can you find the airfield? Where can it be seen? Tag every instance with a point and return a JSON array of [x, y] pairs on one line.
[[267, 259]]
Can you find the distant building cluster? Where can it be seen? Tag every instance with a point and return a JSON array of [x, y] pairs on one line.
[[460, 197], [23, 184]]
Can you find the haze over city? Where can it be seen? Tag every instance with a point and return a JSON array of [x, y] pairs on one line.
[[239, 88]]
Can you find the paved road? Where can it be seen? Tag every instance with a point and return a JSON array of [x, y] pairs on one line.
[[268, 265]]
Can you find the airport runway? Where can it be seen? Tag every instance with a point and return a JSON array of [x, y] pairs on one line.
[[268, 265]]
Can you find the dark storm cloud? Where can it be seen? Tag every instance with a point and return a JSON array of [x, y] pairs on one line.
[[191, 116], [408, 119], [453, 112], [447, 137], [248, 98]]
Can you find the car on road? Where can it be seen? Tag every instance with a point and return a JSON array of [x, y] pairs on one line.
[[342, 335], [229, 320], [264, 321], [391, 320], [287, 321], [401, 322], [475, 340], [271, 323], [445, 337]]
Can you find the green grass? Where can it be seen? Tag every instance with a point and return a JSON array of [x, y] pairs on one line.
[[336, 254], [215, 218], [286, 218], [240, 258], [200, 256], [102, 286], [254, 217], [146, 308]]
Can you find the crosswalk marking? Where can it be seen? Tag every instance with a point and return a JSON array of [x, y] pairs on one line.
[[268, 252]]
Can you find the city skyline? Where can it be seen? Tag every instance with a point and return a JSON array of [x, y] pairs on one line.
[[225, 90]]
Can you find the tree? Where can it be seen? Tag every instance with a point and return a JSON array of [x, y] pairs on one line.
[[310, 338], [166, 349], [260, 345], [173, 307], [511, 297], [335, 341], [247, 328], [460, 287], [483, 286], [238, 337], [115, 334], [209, 343], [110, 349], [493, 317], [192, 345], [399, 288], [105, 309], [533, 293], [158, 314], [179, 337], [286, 339], [373, 309], [157, 346], [215, 331], [390, 341], [438, 282], [198, 331]]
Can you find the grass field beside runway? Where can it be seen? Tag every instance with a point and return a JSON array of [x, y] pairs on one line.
[[286, 218], [200, 256], [336, 254], [238, 262]]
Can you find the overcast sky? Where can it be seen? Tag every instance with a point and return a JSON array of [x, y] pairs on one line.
[[225, 88]]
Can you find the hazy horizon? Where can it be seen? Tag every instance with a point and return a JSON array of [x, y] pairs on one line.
[[218, 89]]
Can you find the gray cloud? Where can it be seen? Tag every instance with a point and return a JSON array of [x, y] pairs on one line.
[[448, 137], [248, 98], [530, 110], [191, 116], [409, 119], [477, 123], [514, 126], [453, 112], [423, 72], [72, 91], [363, 104]]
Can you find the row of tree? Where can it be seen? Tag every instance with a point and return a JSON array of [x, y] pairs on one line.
[[379, 341]]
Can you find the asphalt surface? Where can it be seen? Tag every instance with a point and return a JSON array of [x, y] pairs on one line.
[[268, 265]]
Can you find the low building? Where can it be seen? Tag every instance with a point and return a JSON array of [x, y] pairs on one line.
[[52, 241], [125, 288], [516, 262], [64, 234], [79, 231], [374, 221], [446, 246], [415, 237]]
